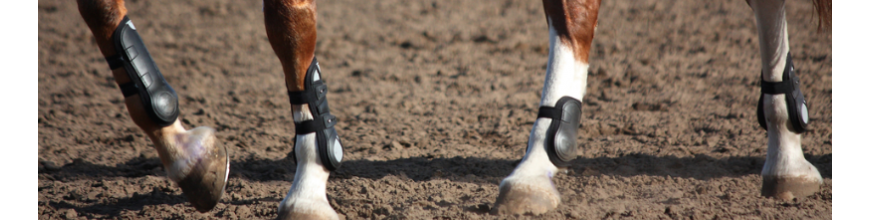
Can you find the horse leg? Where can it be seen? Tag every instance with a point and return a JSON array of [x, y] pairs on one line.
[[192, 158], [786, 173], [529, 189], [290, 26]]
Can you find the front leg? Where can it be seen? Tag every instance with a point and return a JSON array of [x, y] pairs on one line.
[[786, 174], [552, 143], [290, 26], [194, 159]]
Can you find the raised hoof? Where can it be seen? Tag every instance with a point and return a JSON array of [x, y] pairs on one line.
[[205, 183], [788, 188], [306, 210], [524, 198]]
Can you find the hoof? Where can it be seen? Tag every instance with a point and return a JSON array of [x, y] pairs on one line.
[[206, 181], [304, 209], [782, 180], [788, 188], [526, 197]]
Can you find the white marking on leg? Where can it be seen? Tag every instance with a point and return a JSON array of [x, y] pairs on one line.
[[529, 188], [566, 76], [784, 154], [308, 191]]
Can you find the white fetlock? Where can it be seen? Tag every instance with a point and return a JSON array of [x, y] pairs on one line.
[[530, 189], [307, 196], [786, 174]]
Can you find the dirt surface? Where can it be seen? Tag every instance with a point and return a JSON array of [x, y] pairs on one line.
[[436, 100]]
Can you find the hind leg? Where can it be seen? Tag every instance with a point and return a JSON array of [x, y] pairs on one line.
[[529, 189], [290, 26], [192, 158], [786, 174]]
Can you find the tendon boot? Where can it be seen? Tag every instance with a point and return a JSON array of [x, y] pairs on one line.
[[191, 158]]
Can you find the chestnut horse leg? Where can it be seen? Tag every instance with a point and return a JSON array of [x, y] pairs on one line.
[[786, 173], [529, 189], [192, 158], [290, 26]]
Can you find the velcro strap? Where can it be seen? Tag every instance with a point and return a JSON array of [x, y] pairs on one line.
[[301, 97], [311, 126], [318, 124], [776, 87], [308, 96], [129, 89], [547, 112], [115, 62], [786, 85]]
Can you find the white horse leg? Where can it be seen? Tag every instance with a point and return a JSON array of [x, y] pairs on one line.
[[786, 174], [292, 32], [307, 196], [529, 188]]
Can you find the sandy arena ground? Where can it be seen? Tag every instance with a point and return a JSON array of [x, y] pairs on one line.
[[436, 100]]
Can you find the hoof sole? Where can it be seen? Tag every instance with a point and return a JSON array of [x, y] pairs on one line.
[[788, 188]]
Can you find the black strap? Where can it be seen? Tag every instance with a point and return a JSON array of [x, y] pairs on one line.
[[308, 96], [548, 112], [774, 88], [129, 89], [115, 61], [298, 98], [782, 87], [306, 127], [311, 126]]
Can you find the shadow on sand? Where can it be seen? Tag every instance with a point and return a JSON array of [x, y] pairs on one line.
[[464, 169]]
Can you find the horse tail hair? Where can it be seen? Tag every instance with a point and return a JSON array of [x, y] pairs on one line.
[[823, 9]]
